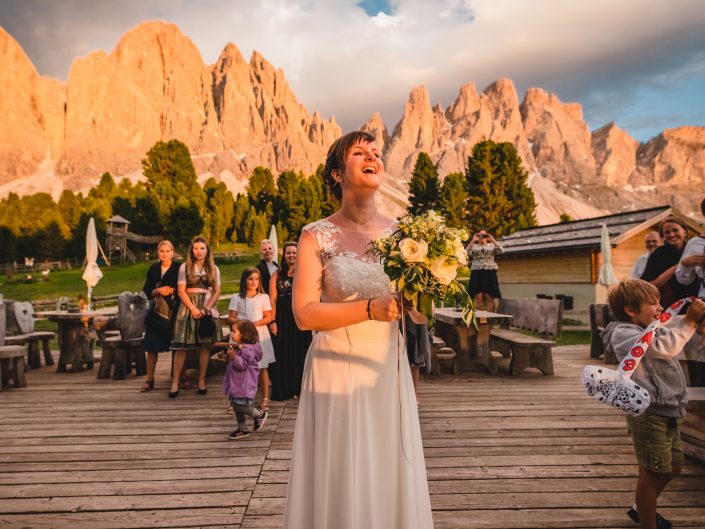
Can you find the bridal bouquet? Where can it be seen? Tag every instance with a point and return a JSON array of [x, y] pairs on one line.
[[423, 257]]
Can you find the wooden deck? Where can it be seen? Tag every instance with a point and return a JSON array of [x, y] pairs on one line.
[[533, 451]]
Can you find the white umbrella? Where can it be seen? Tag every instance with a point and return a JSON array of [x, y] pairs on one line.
[[275, 244], [92, 273], [606, 276]]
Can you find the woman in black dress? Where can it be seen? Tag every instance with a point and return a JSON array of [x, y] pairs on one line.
[[663, 261], [292, 343], [161, 281]]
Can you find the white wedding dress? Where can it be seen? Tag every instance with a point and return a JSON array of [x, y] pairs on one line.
[[357, 459]]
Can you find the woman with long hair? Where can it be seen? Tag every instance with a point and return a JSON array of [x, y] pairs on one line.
[[663, 261], [199, 289], [292, 343], [254, 305], [161, 283]]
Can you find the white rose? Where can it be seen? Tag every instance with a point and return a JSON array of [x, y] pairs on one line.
[[413, 251], [443, 270], [460, 254]]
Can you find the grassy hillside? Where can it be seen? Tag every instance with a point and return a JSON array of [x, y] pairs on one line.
[[116, 279]]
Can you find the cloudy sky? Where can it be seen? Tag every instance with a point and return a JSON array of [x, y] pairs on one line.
[[640, 63]]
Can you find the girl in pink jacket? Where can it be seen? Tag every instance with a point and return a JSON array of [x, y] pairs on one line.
[[241, 376]]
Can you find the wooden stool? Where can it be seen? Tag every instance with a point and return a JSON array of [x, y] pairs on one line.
[[32, 340], [436, 344], [121, 354], [12, 366], [446, 358]]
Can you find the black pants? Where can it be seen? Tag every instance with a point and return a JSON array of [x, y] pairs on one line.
[[241, 413]]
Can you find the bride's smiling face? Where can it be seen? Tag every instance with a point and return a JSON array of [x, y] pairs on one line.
[[363, 166]]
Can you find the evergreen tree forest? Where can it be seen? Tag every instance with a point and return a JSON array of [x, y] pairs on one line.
[[168, 202], [492, 194]]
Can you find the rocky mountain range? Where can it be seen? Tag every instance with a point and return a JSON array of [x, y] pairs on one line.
[[235, 115]]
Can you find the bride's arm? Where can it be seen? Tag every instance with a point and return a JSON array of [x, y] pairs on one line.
[[311, 313]]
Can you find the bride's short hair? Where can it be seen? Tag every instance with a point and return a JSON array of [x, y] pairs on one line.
[[335, 160]]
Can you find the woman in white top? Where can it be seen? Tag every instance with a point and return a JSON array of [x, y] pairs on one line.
[[254, 305], [484, 287], [357, 458]]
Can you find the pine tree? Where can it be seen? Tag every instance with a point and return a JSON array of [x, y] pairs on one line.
[[453, 198], [70, 206], [171, 184], [220, 208], [257, 227], [424, 187], [289, 210], [262, 191], [239, 222], [499, 200], [329, 204], [186, 222]]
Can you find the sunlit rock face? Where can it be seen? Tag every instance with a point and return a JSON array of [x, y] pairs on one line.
[[153, 86], [237, 114]]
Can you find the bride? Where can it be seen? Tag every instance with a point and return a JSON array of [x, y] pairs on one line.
[[357, 460]]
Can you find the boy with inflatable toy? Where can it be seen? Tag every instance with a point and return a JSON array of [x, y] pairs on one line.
[[656, 432]]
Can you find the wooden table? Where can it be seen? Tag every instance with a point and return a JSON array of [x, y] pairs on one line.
[[76, 337], [472, 345]]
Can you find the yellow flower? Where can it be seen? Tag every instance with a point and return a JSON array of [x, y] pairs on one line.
[[413, 251], [444, 270]]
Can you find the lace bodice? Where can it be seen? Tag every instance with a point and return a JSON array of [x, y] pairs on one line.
[[349, 272]]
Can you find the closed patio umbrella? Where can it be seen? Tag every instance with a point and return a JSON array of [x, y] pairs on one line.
[[275, 244], [92, 273], [606, 276]]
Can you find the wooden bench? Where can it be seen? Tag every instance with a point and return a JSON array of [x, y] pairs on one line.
[[12, 366], [20, 320], [693, 428], [442, 356], [123, 348], [11, 358], [543, 316], [600, 316]]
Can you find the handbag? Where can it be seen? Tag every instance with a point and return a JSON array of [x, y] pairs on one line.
[[615, 387], [205, 326], [158, 316]]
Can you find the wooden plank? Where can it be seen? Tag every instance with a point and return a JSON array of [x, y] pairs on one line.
[[500, 453], [228, 517], [140, 502], [121, 488]]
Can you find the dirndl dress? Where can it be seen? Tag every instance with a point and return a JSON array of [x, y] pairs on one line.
[[185, 325]]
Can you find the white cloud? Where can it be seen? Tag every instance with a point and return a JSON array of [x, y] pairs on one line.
[[341, 61], [382, 20]]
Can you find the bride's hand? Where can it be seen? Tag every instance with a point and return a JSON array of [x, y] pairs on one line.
[[385, 308]]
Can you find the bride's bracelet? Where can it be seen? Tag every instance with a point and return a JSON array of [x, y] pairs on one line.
[[369, 312]]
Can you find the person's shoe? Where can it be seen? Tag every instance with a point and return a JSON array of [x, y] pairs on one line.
[[173, 394], [238, 434], [147, 386], [661, 522], [259, 421], [202, 391], [231, 411]]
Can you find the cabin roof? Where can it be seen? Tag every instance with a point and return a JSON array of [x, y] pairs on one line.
[[585, 234], [117, 219]]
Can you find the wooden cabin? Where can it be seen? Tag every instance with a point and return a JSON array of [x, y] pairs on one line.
[[564, 259]]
